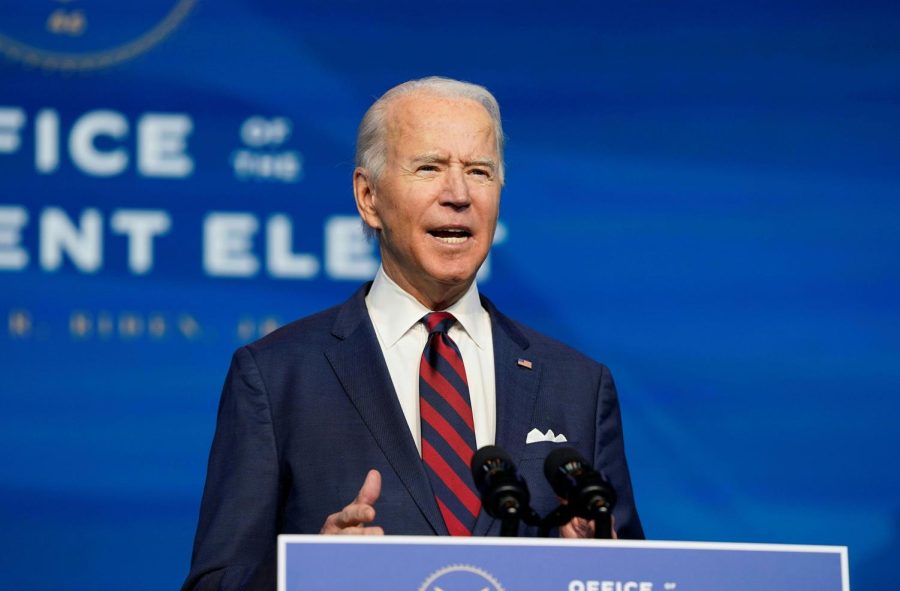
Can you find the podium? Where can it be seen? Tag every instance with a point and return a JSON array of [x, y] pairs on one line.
[[395, 563]]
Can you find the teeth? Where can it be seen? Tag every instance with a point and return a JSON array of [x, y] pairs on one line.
[[451, 235], [451, 240]]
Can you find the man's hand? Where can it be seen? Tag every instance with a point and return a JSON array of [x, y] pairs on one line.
[[354, 517], [583, 528]]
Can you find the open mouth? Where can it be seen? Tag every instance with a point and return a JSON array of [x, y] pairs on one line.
[[451, 235]]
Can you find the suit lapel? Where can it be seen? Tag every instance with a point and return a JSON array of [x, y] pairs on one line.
[[359, 365], [516, 392]]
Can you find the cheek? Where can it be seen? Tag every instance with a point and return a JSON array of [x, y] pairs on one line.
[[394, 216], [489, 211], [404, 230], [486, 194]]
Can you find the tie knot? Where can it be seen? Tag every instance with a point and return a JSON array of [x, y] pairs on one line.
[[438, 321]]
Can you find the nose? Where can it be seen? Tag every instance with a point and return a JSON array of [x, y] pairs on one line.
[[455, 192]]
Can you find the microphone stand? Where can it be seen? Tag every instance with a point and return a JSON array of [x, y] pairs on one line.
[[602, 523], [509, 525], [512, 515]]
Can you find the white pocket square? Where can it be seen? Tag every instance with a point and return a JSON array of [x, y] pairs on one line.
[[535, 436]]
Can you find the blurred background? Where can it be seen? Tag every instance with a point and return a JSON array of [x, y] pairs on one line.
[[704, 196]]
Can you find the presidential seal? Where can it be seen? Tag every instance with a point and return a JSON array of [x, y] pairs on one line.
[[72, 35], [461, 577]]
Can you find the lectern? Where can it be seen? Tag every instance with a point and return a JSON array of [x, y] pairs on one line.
[[399, 563]]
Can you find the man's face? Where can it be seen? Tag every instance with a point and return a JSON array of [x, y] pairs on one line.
[[438, 197]]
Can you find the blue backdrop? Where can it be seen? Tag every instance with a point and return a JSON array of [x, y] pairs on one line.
[[705, 196]]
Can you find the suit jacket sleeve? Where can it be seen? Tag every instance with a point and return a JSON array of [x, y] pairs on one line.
[[235, 542], [610, 458]]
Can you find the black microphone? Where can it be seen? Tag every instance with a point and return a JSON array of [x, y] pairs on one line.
[[504, 494], [586, 492]]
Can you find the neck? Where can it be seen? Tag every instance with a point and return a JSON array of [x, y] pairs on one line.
[[435, 296]]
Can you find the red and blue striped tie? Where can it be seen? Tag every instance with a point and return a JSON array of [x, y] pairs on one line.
[[448, 431]]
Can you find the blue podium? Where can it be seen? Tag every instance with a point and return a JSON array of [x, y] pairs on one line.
[[395, 563]]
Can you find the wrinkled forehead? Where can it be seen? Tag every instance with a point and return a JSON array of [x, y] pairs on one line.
[[433, 120]]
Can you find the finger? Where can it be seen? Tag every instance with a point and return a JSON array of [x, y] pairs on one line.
[[360, 511], [330, 528], [361, 531], [351, 516], [334, 524], [371, 489], [354, 515], [577, 528]]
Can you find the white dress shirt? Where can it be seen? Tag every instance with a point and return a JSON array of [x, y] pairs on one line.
[[402, 336]]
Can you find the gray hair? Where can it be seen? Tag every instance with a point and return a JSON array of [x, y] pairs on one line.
[[371, 148]]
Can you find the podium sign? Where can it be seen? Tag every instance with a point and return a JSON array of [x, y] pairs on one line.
[[404, 563]]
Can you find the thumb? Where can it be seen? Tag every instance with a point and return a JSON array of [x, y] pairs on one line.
[[371, 488]]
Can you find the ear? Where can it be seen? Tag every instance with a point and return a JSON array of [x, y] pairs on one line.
[[364, 193]]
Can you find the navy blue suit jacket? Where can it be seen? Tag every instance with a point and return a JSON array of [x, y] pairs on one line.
[[309, 409]]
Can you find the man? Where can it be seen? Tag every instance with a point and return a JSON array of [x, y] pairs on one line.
[[379, 401]]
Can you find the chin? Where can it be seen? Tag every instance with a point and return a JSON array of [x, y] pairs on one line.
[[455, 277]]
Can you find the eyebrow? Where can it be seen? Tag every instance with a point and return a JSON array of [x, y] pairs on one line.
[[430, 157], [488, 163], [442, 159]]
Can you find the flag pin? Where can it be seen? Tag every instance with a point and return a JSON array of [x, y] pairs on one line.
[[524, 363]]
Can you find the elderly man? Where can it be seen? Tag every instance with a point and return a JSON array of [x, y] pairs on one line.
[[382, 400]]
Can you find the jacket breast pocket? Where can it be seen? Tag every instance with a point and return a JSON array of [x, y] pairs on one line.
[[540, 449]]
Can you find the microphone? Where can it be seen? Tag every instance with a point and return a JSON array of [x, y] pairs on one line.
[[586, 492], [504, 494]]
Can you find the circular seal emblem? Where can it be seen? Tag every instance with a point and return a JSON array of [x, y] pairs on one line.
[[72, 35], [461, 577]]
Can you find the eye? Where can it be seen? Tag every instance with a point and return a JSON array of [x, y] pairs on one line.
[[481, 172], [427, 168]]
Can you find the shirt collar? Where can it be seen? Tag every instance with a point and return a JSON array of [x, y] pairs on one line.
[[395, 312]]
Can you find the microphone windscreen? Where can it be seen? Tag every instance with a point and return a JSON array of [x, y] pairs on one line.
[[489, 454], [559, 465]]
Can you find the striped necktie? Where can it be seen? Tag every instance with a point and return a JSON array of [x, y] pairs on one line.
[[448, 431]]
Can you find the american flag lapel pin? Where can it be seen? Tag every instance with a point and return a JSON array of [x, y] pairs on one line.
[[524, 363]]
